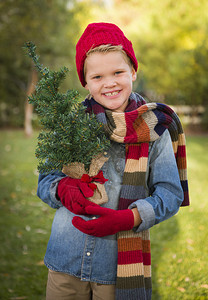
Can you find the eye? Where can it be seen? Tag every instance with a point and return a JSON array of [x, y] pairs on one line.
[[96, 77], [118, 72]]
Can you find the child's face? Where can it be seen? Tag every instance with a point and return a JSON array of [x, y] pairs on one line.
[[109, 79]]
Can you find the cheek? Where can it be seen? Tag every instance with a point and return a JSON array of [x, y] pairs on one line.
[[126, 79], [94, 88], [88, 87], [128, 82]]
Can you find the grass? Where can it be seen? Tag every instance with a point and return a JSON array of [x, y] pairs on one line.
[[24, 221], [179, 245], [180, 265]]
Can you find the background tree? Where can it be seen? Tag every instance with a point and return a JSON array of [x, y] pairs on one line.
[[169, 37], [51, 26], [170, 41]]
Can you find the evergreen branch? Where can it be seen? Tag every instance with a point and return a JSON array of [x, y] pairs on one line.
[[69, 134]]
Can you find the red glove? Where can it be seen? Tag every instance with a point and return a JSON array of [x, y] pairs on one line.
[[72, 197], [110, 221]]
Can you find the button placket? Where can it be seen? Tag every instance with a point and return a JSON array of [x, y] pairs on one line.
[[87, 258]]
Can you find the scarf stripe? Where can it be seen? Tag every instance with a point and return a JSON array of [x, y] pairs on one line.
[[134, 265], [128, 275], [131, 192], [131, 167], [133, 294], [123, 201], [140, 124], [133, 178]]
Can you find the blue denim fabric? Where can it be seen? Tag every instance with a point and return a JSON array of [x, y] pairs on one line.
[[95, 259]]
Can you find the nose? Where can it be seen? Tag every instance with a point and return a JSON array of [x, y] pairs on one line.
[[109, 82]]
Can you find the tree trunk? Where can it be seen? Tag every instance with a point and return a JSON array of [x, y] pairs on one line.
[[29, 107]]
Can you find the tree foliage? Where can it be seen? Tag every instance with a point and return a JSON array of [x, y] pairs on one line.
[[69, 134]]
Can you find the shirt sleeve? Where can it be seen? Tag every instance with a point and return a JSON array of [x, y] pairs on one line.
[[163, 182], [47, 186]]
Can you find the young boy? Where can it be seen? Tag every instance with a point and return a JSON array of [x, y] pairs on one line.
[[104, 253]]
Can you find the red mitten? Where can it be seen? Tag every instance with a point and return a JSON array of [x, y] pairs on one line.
[[71, 195], [110, 221]]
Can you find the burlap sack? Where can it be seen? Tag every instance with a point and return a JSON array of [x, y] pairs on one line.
[[76, 170]]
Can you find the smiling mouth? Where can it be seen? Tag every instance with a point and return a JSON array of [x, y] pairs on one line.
[[112, 93]]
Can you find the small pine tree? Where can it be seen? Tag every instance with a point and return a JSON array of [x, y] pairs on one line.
[[68, 134]]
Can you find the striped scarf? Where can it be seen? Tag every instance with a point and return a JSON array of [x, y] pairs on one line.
[[140, 124]]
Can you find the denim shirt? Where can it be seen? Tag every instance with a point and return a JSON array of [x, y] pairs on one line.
[[93, 258]]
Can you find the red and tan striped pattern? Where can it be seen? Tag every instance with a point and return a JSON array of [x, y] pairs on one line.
[[134, 258], [134, 264], [140, 124]]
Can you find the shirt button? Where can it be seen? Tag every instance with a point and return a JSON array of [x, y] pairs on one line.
[[88, 253]]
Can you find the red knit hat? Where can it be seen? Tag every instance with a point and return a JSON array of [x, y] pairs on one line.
[[97, 34]]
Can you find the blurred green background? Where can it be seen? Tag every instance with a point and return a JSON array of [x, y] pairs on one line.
[[171, 45], [169, 38]]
